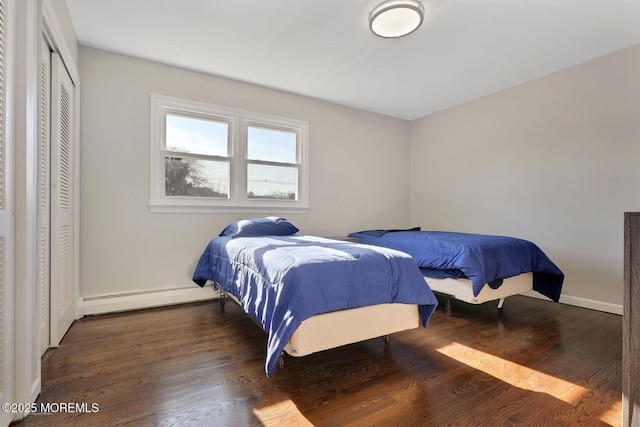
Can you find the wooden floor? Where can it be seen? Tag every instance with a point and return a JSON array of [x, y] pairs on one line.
[[535, 363]]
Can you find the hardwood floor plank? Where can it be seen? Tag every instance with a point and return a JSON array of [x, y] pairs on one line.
[[535, 363]]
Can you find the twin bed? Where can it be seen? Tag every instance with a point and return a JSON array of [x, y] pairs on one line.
[[474, 268], [310, 293]]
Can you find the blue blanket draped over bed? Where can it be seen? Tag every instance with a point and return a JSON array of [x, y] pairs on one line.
[[481, 258], [282, 280]]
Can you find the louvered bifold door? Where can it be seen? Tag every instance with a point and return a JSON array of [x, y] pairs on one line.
[[62, 233], [6, 232], [44, 193]]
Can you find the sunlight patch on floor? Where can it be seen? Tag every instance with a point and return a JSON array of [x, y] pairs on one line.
[[284, 412], [514, 374], [613, 416]]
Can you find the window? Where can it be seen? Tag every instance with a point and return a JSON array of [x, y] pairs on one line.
[[209, 158]]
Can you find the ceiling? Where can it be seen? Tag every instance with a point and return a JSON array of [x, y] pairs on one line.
[[323, 49]]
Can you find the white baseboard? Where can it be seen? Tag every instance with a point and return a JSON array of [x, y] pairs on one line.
[[147, 299], [583, 302]]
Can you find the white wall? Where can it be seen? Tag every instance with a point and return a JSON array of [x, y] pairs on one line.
[[555, 160], [358, 171]]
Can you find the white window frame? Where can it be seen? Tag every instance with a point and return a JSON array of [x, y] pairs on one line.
[[238, 122]]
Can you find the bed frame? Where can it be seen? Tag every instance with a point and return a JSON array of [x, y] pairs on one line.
[[330, 330], [461, 289]]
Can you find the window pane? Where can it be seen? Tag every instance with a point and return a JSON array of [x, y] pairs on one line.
[[272, 182], [196, 178], [197, 136], [271, 145]]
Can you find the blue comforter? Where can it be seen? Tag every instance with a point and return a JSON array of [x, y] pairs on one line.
[[282, 280], [481, 258]]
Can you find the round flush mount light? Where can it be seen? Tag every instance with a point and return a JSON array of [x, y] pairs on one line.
[[396, 18]]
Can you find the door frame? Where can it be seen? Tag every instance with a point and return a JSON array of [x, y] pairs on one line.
[[7, 282], [33, 17]]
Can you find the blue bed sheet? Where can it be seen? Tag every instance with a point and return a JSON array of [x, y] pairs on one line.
[[480, 258], [282, 280]]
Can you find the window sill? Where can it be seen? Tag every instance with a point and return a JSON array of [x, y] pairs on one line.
[[184, 208]]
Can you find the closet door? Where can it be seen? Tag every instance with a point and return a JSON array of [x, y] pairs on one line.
[[44, 193], [6, 231], [63, 298]]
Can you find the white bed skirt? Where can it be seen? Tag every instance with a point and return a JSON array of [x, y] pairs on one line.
[[338, 328], [461, 289], [330, 330]]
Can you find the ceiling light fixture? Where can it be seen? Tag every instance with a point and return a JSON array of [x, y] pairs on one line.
[[396, 18]]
